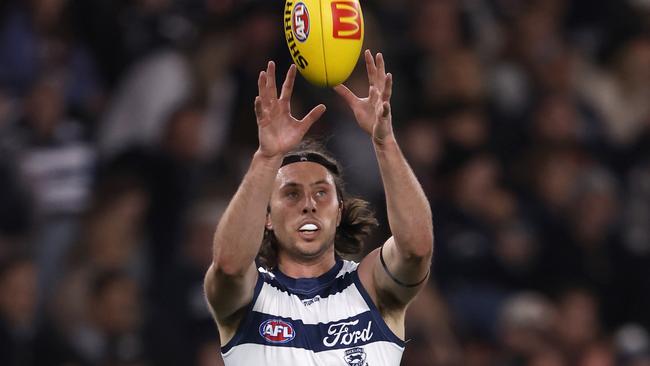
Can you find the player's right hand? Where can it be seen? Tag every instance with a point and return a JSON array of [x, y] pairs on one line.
[[373, 113], [278, 130]]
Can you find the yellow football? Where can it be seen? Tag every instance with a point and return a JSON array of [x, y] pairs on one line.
[[324, 38]]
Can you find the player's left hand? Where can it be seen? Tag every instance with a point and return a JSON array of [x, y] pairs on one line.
[[373, 112]]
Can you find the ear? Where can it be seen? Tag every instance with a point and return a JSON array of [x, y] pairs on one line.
[[268, 225], [339, 216]]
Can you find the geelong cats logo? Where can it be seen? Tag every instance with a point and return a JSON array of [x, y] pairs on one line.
[[355, 356]]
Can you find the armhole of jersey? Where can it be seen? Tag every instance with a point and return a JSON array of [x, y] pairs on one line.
[[243, 325], [375, 313]]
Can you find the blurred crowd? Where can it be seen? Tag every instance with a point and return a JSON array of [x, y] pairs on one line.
[[125, 126]]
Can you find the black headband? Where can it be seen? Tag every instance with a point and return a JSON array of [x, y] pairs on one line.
[[314, 158]]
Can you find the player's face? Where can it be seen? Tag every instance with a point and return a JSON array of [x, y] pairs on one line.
[[305, 210]]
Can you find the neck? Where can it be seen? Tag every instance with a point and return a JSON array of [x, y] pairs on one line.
[[306, 267]]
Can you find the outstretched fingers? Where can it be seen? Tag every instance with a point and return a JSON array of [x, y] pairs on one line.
[[381, 66], [370, 67], [287, 86], [261, 86], [346, 93], [271, 88], [312, 117], [388, 88]]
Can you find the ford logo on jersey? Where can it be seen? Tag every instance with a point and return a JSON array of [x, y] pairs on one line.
[[345, 334], [277, 331]]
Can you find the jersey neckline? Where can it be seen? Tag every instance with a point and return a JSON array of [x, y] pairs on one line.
[[309, 283]]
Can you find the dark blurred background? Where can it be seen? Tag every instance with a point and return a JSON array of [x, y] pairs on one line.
[[125, 127]]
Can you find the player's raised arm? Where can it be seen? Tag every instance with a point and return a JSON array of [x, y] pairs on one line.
[[230, 281], [396, 279]]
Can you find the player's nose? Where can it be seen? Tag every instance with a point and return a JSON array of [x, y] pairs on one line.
[[309, 205]]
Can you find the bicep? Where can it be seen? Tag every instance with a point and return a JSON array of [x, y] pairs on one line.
[[392, 283], [228, 294]]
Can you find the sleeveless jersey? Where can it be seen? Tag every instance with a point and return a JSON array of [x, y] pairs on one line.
[[328, 320]]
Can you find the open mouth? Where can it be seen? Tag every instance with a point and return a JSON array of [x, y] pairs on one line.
[[308, 228], [308, 231]]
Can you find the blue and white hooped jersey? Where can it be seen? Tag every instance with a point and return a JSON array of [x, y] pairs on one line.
[[328, 320]]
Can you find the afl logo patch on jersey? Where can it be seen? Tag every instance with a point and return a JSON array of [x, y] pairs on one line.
[[277, 331], [300, 22]]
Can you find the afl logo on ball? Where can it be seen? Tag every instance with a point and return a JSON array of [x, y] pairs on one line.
[[277, 331], [300, 22]]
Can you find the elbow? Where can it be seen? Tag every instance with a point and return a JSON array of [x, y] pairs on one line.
[[228, 269], [425, 243], [423, 250], [420, 241], [209, 286], [228, 266], [419, 248]]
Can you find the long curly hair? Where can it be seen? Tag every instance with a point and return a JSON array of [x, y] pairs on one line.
[[357, 219]]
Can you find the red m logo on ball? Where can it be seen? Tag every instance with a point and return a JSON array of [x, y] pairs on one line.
[[346, 20]]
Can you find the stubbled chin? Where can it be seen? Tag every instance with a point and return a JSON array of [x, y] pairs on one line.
[[310, 249]]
